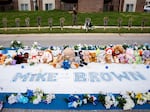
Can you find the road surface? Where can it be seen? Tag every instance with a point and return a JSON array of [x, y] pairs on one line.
[[73, 39]]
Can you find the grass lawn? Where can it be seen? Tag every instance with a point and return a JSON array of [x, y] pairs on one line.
[[97, 18], [66, 30]]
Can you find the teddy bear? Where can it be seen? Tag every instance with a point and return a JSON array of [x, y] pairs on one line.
[[93, 57], [146, 57], [108, 55], [2, 59], [86, 56], [20, 57], [129, 56], [33, 56], [69, 55], [66, 59], [57, 61], [46, 57], [118, 50]]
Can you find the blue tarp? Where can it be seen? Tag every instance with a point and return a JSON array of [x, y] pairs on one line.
[[60, 104]]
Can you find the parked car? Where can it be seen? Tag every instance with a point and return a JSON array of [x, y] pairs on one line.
[[147, 8]]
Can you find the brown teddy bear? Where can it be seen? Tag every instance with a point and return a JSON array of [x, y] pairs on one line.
[[117, 50], [93, 57], [108, 55], [67, 54], [86, 56], [2, 59]]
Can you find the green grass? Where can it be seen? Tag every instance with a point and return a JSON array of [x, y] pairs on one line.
[[97, 18], [58, 30]]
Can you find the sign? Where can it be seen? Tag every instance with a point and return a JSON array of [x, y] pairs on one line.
[[93, 78]]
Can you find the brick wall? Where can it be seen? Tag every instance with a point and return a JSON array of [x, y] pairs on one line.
[[40, 4], [116, 4], [90, 5], [140, 5], [15, 5], [57, 4]]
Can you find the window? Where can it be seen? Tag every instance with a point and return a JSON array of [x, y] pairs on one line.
[[48, 6], [24, 7], [129, 8]]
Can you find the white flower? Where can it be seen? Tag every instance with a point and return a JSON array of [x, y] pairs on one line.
[[49, 98], [108, 102], [12, 99], [141, 101], [84, 101], [75, 104], [35, 43], [37, 100], [18, 42], [129, 104], [1, 105], [147, 96], [12, 42]]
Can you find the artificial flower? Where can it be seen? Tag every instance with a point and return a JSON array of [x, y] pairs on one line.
[[12, 99]]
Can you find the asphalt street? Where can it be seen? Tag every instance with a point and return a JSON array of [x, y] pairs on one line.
[[73, 39]]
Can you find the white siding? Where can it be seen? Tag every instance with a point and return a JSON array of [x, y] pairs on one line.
[[129, 2], [24, 2], [147, 2], [49, 2]]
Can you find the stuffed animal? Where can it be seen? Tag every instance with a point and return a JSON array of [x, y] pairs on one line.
[[122, 58], [138, 58], [146, 57], [86, 56], [79, 56], [65, 59], [2, 59], [34, 56], [117, 50], [57, 61], [101, 57], [93, 57], [25, 57], [47, 57], [19, 59], [129, 54], [108, 55]]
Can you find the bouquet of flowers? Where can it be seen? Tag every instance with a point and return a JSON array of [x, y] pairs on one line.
[[16, 44], [34, 97]]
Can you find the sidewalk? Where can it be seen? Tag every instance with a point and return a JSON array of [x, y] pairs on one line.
[[75, 27]]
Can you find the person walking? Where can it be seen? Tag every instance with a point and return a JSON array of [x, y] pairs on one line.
[[74, 15]]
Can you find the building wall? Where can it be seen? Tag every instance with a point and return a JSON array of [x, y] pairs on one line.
[[24, 2], [134, 2], [90, 5], [147, 2], [116, 5], [57, 4], [15, 5], [47, 2], [140, 5]]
